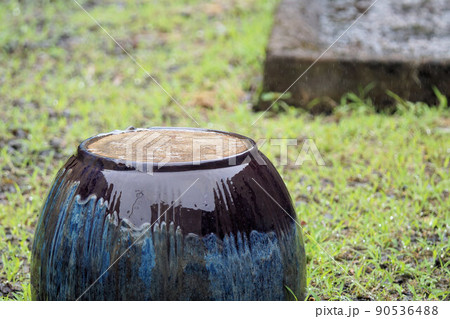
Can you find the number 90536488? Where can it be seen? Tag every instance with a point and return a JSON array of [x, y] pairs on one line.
[[406, 310]]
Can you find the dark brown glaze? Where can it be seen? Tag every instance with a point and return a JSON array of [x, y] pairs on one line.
[[225, 199]]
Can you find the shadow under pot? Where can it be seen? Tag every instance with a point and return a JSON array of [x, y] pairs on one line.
[[168, 214]]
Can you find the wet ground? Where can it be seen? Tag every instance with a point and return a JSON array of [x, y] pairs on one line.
[[409, 28]]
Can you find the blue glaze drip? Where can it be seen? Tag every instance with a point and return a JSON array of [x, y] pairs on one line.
[[77, 243], [245, 269]]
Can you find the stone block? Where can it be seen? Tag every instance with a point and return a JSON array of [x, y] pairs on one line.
[[398, 45]]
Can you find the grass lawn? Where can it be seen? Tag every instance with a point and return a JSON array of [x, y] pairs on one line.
[[379, 207]]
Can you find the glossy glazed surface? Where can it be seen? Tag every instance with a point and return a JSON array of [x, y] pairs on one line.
[[205, 232]]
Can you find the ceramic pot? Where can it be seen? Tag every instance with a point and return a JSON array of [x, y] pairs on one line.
[[222, 228]]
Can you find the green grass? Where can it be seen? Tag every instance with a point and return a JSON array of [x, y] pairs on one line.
[[380, 206]]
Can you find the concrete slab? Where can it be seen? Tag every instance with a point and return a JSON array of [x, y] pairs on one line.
[[398, 45]]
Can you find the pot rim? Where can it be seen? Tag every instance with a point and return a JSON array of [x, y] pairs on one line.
[[120, 164]]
